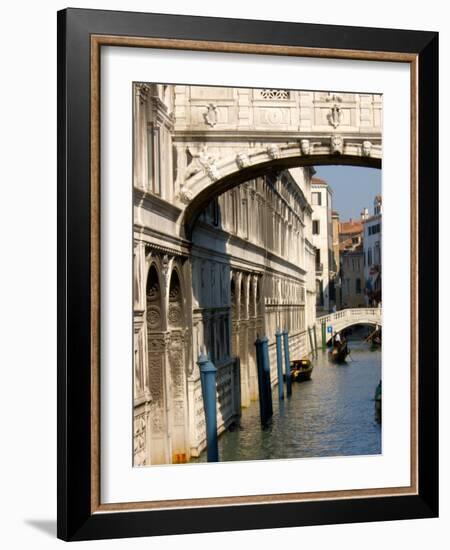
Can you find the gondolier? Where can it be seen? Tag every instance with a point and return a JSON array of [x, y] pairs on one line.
[[339, 350]]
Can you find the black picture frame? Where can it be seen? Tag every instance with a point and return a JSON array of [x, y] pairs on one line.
[[76, 518]]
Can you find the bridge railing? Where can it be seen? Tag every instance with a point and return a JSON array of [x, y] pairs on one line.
[[350, 313]]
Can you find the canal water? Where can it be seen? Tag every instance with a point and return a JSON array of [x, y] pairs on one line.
[[333, 414]]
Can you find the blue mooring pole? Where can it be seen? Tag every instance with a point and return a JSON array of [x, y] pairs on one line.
[[287, 363], [266, 364], [208, 379], [278, 335], [261, 362]]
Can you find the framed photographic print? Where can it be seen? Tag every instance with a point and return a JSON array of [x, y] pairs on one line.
[[247, 274]]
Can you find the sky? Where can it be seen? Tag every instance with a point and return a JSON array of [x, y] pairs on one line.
[[353, 188]]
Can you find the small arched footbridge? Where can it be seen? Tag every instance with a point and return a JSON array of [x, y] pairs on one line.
[[348, 317]]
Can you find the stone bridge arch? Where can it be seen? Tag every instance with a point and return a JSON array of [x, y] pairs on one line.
[[195, 195], [203, 140], [346, 318]]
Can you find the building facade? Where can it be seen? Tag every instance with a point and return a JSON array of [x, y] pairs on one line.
[[337, 260], [322, 239], [352, 263], [373, 254]]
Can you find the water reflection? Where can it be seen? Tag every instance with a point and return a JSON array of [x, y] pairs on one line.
[[331, 415]]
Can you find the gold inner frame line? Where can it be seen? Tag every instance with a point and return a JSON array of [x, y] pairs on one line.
[[97, 41]]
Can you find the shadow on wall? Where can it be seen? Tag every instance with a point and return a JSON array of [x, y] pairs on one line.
[[212, 309]]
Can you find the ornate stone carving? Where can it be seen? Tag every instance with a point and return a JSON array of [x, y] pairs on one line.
[[175, 314], [142, 91], [157, 420], [177, 372], [153, 313], [139, 441], [269, 93], [305, 146], [155, 364], [335, 116], [153, 291], [177, 339], [175, 292], [208, 162], [336, 145], [201, 160], [157, 343], [334, 97], [165, 269], [273, 151], [153, 317], [178, 415], [211, 115], [242, 160], [366, 148], [185, 196]]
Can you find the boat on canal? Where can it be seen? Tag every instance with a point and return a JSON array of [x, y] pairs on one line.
[[338, 353], [378, 401], [374, 338], [301, 369]]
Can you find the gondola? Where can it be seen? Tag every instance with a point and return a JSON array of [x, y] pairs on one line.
[[378, 402], [375, 341], [338, 353], [374, 338], [301, 370]]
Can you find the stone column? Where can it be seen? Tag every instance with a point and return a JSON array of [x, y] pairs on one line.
[[159, 443], [140, 173]]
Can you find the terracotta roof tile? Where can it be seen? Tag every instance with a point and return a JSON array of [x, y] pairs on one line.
[[350, 227], [318, 180]]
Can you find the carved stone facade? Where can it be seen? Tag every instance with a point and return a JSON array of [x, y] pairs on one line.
[[246, 267]]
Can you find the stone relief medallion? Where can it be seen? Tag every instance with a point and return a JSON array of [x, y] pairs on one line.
[[153, 317], [175, 314]]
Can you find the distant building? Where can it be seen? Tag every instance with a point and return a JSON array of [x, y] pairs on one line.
[[351, 263], [322, 239], [372, 253], [336, 258]]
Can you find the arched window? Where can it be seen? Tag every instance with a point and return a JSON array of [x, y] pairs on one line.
[[175, 301], [153, 292]]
